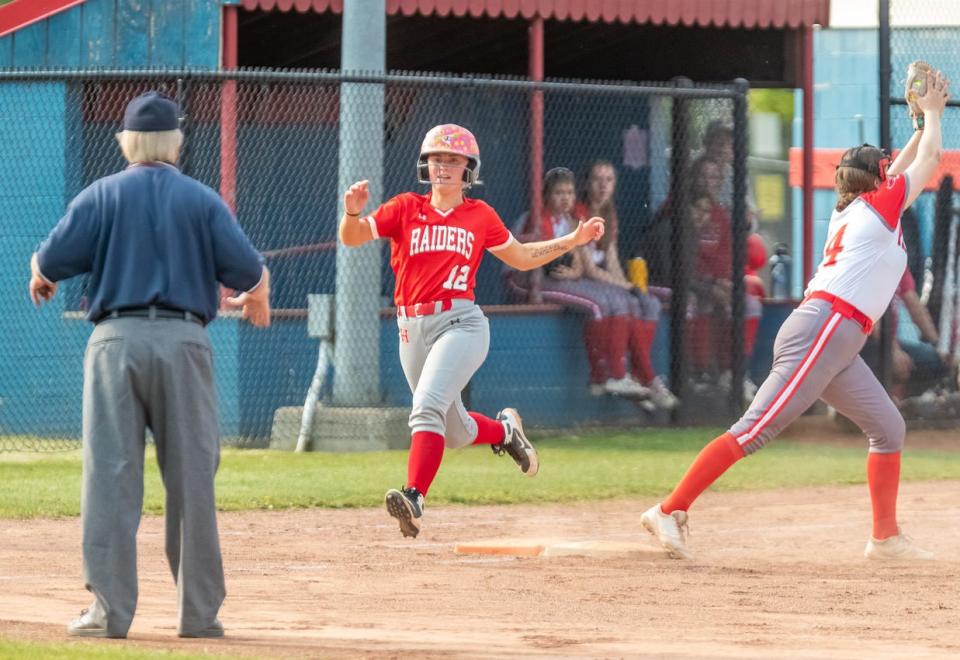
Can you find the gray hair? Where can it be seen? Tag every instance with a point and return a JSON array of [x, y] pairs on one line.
[[150, 147]]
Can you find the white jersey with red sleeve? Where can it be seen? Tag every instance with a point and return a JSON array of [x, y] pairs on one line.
[[435, 254], [864, 257]]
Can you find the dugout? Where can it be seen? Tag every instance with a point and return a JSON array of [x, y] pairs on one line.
[[651, 40], [770, 44]]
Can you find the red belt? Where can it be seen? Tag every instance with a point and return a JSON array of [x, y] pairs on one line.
[[424, 309], [844, 309]]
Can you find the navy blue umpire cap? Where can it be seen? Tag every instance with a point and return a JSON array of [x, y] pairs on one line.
[[151, 112]]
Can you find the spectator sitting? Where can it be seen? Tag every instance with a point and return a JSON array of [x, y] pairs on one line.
[[711, 287], [718, 147], [917, 366], [605, 328], [637, 311]]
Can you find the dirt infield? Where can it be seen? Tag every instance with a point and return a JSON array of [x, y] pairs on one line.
[[776, 574]]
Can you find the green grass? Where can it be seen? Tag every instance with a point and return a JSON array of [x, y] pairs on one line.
[[598, 465], [41, 651]]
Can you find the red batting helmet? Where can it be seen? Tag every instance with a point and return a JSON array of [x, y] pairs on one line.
[[450, 139]]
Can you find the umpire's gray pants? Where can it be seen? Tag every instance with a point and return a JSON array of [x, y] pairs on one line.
[[816, 355], [439, 355], [141, 373]]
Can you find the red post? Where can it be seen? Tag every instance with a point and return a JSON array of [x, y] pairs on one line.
[[808, 147], [536, 119], [536, 141], [228, 111]]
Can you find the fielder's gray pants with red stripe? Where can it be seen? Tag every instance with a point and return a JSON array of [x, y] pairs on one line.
[[816, 356], [140, 373]]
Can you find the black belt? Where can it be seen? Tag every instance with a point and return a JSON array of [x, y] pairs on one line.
[[153, 312]]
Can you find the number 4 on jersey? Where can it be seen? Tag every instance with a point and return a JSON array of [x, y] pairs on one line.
[[835, 247], [458, 278]]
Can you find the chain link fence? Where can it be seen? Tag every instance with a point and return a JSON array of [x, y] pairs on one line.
[[923, 373], [664, 164]]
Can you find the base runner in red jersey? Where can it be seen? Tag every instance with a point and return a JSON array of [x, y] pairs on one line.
[[436, 242], [816, 352]]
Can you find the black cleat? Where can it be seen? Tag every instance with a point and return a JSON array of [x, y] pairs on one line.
[[516, 444], [406, 505], [215, 629]]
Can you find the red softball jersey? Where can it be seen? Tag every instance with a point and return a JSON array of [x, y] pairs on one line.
[[435, 254]]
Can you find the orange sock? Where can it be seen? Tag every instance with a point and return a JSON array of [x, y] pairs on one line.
[[712, 461], [883, 478]]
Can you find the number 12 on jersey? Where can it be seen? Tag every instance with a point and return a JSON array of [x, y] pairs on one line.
[[458, 278]]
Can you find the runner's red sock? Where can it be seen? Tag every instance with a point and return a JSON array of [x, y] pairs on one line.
[[712, 461], [883, 478], [489, 431], [426, 452]]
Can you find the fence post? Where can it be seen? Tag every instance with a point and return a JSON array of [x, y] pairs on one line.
[[183, 100], [887, 331], [357, 358], [942, 219], [737, 362], [679, 220]]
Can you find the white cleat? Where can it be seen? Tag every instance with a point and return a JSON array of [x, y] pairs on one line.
[[627, 387], [896, 548], [670, 530], [661, 396]]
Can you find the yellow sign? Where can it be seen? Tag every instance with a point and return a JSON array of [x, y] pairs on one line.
[[770, 191]]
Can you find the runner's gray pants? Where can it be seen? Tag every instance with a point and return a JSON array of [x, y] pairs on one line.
[[439, 355]]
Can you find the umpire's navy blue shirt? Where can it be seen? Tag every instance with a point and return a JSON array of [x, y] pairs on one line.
[[151, 236]]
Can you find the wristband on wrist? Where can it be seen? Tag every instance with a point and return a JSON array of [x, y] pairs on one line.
[[352, 215], [918, 123]]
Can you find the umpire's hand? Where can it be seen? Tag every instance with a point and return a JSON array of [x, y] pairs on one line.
[[256, 303], [40, 287]]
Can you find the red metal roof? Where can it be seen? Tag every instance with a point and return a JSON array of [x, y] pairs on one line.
[[21, 13], [732, 13]]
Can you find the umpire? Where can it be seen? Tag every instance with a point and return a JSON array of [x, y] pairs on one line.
[[155, 243]]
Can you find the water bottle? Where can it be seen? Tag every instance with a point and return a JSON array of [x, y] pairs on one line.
[[637, 273], [780, 272]]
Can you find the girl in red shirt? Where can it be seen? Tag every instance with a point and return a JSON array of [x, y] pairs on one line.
[[436, 242]]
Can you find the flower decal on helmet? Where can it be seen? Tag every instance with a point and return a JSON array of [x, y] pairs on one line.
[[450, 139]]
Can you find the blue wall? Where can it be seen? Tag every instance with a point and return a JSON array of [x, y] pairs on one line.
[[41, 366], [120, 34], [40, 372], [536, 362]]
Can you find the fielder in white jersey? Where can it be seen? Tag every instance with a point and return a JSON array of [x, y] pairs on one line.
[[816, 352]]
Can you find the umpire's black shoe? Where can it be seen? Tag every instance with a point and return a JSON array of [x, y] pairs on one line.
[[516, 444], [406, 505], [92, 623], [215, 629]]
